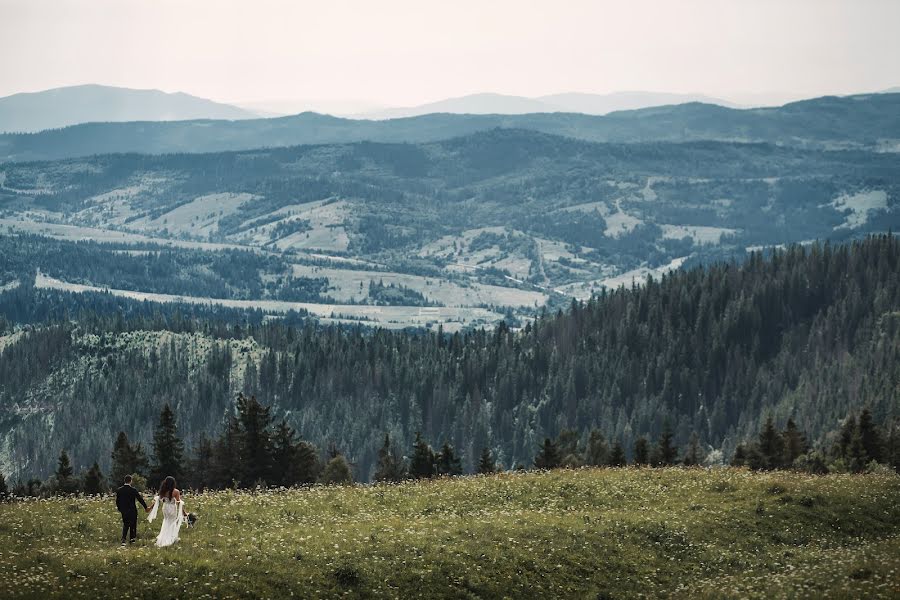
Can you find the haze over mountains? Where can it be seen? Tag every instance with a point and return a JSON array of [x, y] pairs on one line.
[[61, 107], [502, 104]]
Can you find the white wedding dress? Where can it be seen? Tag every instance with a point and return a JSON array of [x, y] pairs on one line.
[[173, 518]]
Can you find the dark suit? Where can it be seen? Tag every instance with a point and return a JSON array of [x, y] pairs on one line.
[[126, 496]]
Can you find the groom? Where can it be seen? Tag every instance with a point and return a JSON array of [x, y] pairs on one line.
[[125, 498]]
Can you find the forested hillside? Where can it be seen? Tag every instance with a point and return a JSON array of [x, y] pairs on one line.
[[810, 332]]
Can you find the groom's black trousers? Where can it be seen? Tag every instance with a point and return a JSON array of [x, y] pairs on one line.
[[129, 525]]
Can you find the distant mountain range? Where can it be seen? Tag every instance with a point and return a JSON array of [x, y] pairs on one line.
[[61, 107], [869, 121], [589, 104]]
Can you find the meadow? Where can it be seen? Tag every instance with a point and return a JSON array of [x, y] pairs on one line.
[[588, 533]]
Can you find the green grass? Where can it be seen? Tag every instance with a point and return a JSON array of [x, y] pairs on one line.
[[617, 533]]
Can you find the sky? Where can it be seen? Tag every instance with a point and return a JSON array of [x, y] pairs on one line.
[[403, 53]]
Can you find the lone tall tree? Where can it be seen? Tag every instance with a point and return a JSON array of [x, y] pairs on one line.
[[168, 449]]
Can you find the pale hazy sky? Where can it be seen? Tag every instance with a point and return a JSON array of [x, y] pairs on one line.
[[409, 52]]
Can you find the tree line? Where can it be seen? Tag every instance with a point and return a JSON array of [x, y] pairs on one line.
[[253, 451]]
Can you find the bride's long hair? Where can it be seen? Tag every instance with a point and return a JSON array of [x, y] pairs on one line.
[[167, 487]]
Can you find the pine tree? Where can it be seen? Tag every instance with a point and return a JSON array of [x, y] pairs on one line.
[[336, 472], [596, 452], [93, 481], [4, 490], [65, 479], [486, 464], [794, 443], [390, 466], [446, 461], [168, 449], [421, 465], [641, 451], [617, 455], [870, 436], [771, 446], [740, 456], [548, 456], [665, 453]]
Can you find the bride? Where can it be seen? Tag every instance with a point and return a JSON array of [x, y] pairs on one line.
[[173, 512]]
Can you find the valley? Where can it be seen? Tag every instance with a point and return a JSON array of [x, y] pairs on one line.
[[500, 224]]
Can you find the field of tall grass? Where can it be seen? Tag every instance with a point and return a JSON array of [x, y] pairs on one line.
[[589, 533]]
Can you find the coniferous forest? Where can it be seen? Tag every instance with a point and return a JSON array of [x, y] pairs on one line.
[[789, 358]]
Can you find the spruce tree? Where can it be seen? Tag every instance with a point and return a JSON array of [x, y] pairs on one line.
[[794, 443], [693, 456], [308, 465], [596, 452], [4, 490], [226, 464], [168, 449], [617, 455], [93, 481], [284, 456], [446, 462], [486, 464], [256, 443], [390, 466], [65, 478], [641, 451], [127, 459], [771, 445], [202, 464], [845, 438], [870, 436], [547, 456], [421, 465], [665, 453]]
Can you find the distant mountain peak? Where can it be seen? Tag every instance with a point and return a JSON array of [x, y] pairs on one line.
[[60, 107]]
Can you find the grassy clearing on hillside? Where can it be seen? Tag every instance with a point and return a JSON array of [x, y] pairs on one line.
[[608, 533]]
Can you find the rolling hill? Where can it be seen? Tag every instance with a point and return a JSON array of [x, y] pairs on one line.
[[864, 122]]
